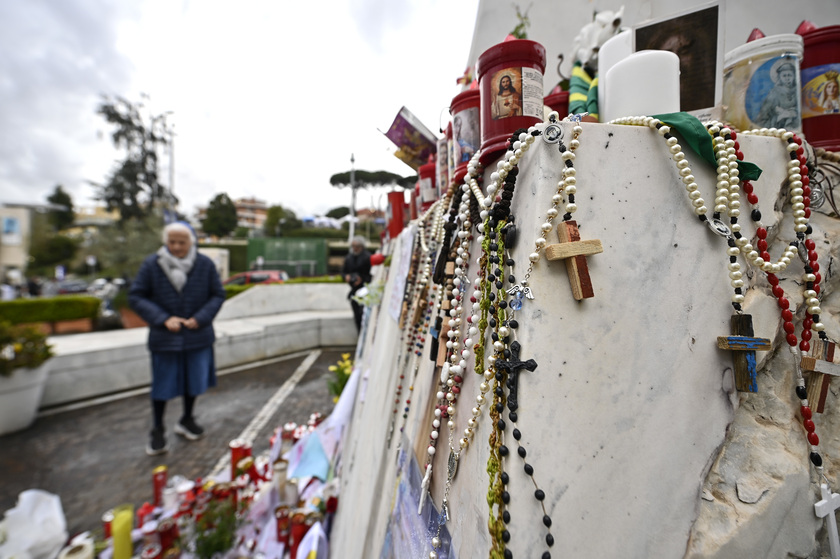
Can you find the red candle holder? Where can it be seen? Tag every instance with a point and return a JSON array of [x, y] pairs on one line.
[[159, 476], [466, 130], [239, 449], [396, 213], [558, 102], [820, 73], [426, 184], [510, 79], [284, 523]]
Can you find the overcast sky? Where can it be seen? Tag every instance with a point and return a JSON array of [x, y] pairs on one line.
[[269, 97]]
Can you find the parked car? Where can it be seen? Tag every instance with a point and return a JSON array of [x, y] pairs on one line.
[[72, 286], [257, 276]]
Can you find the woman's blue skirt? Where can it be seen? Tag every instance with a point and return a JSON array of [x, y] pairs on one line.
[[179, 373]]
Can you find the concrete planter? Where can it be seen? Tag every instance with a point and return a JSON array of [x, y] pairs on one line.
[[20, 396]]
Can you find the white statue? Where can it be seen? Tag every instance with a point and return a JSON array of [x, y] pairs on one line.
[[592, 35]]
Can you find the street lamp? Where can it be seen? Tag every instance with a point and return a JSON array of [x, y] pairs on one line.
[[352, 198]]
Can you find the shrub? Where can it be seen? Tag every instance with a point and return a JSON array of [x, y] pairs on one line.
[[50, 309], [21, 346], [342, 371]]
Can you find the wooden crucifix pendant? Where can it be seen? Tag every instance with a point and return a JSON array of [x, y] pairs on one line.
[[744, 345], [574, 251], [821, 368], [513, 366]]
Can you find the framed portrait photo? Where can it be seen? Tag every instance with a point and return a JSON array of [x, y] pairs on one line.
[[697, 38]]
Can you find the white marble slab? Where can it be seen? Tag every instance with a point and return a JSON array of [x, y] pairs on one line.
[[632, 398]]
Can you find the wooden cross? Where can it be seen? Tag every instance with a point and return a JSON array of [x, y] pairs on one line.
[[821, 368], [825, 509], [574, 252], [744, 346], [513, 366]]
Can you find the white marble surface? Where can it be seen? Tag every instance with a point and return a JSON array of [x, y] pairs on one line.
[[630, 405], [285, 298]]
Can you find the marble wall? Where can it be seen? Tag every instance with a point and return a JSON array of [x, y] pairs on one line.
[[631, 419]]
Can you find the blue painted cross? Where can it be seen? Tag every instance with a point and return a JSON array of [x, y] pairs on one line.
[[743, 344]]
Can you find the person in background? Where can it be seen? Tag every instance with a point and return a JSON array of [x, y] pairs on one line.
[[7, 291], [178, 293], [356, 272], [33, 286], [106, 293]]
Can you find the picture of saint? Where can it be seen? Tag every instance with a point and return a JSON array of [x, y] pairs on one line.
[[829, 100], [772, 95], [465, 134], [506, 93], [780, 109]]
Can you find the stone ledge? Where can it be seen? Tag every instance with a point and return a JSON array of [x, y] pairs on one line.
[[90, 365]]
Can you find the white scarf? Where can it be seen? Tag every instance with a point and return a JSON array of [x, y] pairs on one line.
[[176, 269]]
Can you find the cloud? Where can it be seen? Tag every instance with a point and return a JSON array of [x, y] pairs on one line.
[[376, 18], [56, 58]]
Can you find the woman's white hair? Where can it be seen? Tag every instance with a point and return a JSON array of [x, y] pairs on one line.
[[178, 226]]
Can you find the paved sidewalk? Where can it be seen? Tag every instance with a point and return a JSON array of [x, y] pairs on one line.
[[94, 458]]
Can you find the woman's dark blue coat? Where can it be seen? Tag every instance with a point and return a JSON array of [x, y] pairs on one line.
[[153, 297]]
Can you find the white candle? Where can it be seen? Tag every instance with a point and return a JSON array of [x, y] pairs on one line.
[[646, 82], [615, 49]]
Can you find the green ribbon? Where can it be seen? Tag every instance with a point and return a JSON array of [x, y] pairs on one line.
[[698, 139]]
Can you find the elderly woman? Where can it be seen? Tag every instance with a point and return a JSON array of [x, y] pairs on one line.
[[178, 292]]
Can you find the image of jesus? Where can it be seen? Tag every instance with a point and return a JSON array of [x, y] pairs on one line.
[[507, 101]]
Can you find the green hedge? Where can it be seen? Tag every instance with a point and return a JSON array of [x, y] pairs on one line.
[[49, 309], [231, 290]]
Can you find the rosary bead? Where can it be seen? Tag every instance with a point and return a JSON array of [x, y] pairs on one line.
[[521, 451], [508, 554], [512, 416], [516, 434], [503, 450], [547, 520], [549, 540], [539, 494], [816, 459], [505, 497], [505, 536], [505, 478], [546, 555], [529, 469]]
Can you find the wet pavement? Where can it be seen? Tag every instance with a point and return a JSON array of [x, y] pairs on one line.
[[94, 458]]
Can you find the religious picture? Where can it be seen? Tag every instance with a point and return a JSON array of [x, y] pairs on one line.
[[506, 93], [442, 169], [694, 37], [465, 134], [772, 98], [820, 90], [428, 194], [415, 143], [11, 231]]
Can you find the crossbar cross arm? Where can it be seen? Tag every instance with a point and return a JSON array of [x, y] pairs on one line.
[[743, 345], [574, 251], [822, 368], [826, 508]]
